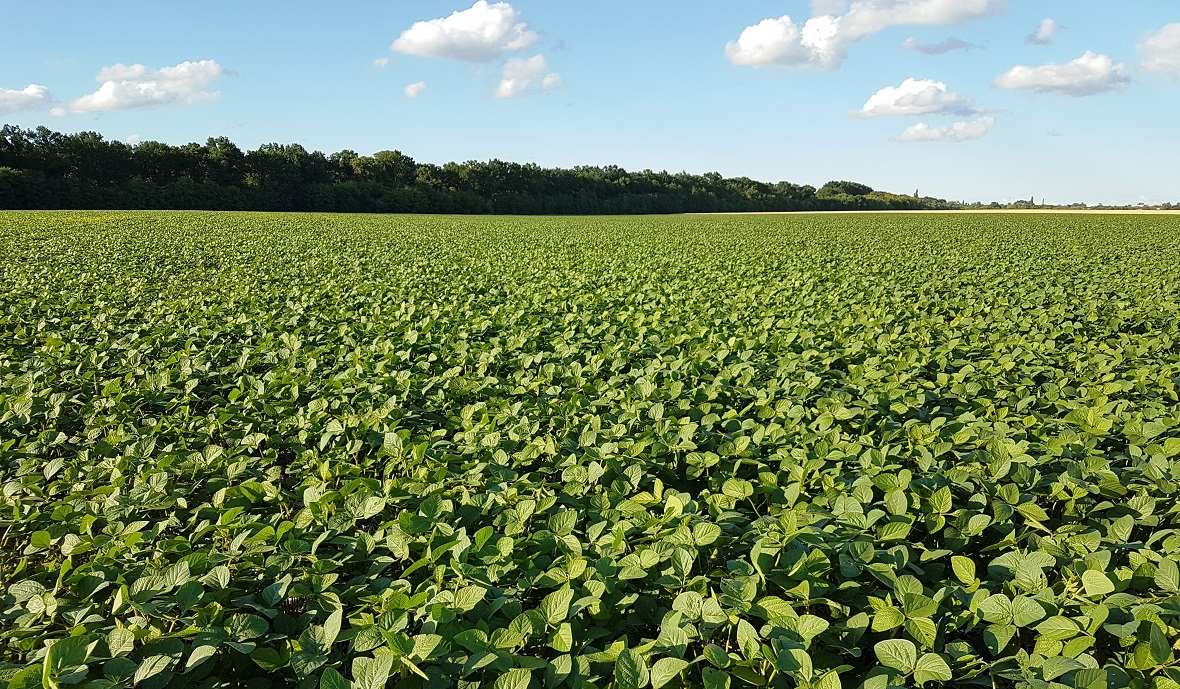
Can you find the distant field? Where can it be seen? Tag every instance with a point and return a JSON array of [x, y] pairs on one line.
[[778, 451]]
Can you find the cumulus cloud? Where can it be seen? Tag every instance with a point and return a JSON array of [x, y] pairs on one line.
[[823, 40], [1045, 33], [1088, 75], [124, 87], [957, 132], [415, 89], [783, 42], [31, 97], [381, 62], [917, 97], [481, 33], [525, 75], [133, 140], [1161, 51], [950, 45]]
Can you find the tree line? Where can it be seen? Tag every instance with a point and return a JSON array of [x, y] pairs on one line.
[[44, 169]]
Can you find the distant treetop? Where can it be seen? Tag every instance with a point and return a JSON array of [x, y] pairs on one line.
[[42, 168]]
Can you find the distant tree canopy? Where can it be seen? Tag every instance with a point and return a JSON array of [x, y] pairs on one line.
[[832, 189], [45, 169]]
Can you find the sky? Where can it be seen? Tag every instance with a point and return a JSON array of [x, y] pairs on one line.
[[1064, 100]]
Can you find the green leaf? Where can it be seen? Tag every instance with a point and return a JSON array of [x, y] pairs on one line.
[[931, 667], [714, 679], [895, 531], [896, 502], [898, 654], [716, 655], [516, 678], [941, 500], [1090, 678], [1096, 583], [997, 636], [997, 608], [199, 655], [810, 626], [331, 679], [27, 678], [274, 593], [887, 618], [924, 630], [830, 680], [1161, 648], [665, 670], [150, 667], [1026, 611], [918, 605], [562, 639], [332, 627], [556, 605], [776, 610], [1058, 628], [468, 597], [372, 673], [308, 660], [631, 671], [1057, 666], [243, 626], [737, 488], [964, 569], [120, 641], [1167, 576]]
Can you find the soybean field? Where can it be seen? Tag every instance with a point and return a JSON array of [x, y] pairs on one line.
[[813, 451]]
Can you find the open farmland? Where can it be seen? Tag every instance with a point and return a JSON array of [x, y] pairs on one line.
[[781, 451]]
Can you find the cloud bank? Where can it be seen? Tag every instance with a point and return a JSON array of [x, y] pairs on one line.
[[124, 87], [823, 41], [955, 133], [1088, 75], [31, 97]]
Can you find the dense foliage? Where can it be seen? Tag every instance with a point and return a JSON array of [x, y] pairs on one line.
[[45, 169], [792, 451]]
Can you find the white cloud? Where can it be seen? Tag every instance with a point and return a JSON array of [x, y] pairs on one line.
[[31, 97], [823, 40], [481, 33], [867, 17], [941, 48], [1045, 33], [819, 7], [524, 75], [1161, 51], [959, 131], [916, 97], [381, 62], [782, 42], [133, 140], [1088, 75], [415, 89], [135, 86]]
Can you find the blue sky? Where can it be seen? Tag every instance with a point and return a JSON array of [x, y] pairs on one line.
[[698, 86]]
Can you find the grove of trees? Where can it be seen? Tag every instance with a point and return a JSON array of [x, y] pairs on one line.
[[44, 169]]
